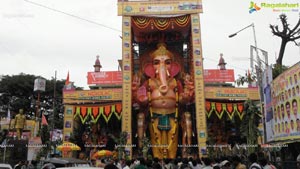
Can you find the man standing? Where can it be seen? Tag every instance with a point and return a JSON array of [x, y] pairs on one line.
[[253, 161], [237, 163], [268, 101], [20, 121]]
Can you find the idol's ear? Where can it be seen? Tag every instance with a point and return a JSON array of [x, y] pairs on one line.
[[149, 70], [175, 69]]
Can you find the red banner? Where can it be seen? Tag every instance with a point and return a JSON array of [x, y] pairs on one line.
[[105, 77], [115, 77], [217, 75]]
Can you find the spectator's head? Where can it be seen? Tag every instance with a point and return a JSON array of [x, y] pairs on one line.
[[185, 161], [216, 167], [199, 161], [155, 160], [167, 160], [252, 157], [236, 160], [226, 164], [142, 161], [207, 161], [194, 162], [148, 163], [110, 166], [263, 161], [156, 166]]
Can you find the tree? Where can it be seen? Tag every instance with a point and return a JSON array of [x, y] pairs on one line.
[[286, 34], [145, 148], [248, 78], [277, 70], [249, 125], [17, 92], [121, 142]]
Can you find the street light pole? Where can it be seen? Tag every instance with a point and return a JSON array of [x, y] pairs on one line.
[[256, 49], [234, 34], [53, 114], [255, 44], [258, 69]]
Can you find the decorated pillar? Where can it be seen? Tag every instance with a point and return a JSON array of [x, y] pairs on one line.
[[199, 84], [68, 122], [127, 73]]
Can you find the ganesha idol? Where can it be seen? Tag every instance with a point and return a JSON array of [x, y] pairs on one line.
[[162, 94]]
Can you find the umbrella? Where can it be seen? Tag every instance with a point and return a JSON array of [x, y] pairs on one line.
[[68, 146], [102, 153]]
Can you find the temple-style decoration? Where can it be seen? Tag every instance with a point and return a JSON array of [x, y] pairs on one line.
[[95, 112], [220, 109], [222, 63], [161, 92], [162, 57], [97, 65], [93, 117]]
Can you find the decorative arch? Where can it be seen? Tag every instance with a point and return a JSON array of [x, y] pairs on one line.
[[220, 108], [96, 112]]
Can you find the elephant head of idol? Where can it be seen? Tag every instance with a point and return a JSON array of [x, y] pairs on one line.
[[162, 67]]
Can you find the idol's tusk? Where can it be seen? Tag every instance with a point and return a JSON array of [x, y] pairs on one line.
[[168, 73]]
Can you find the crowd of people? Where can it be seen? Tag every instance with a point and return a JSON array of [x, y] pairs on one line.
[[253, 161], [24, 165], [234, 162]]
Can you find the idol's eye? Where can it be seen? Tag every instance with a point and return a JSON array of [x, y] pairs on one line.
[[156, 62], [168, 62]]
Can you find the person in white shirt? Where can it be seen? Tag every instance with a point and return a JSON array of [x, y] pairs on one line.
[[126, 164], [253, 161], [207, 163]]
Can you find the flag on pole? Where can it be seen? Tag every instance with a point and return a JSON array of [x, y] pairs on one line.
[[44, 120], [68, 79], [249, 75]]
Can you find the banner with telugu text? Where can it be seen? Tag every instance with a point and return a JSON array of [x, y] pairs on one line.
[[131, 8], [91, 95]]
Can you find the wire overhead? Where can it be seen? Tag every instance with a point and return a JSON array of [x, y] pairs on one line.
[[71, 15]]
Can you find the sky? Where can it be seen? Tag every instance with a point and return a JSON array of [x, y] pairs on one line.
[[41, 37]]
